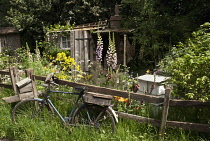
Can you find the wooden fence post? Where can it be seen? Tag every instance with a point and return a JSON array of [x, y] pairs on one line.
[[165, 112], [29, 73]]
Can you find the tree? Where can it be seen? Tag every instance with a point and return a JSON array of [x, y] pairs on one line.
[[158, 25], [188, 65], [86, 11], [32, 17], [4, 7]]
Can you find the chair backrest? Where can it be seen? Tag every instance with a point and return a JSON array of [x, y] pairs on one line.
[[14, 78]]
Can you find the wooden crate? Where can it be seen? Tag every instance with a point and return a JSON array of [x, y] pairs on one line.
[[99, 99]]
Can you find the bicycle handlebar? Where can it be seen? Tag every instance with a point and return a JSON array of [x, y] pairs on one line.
[[50, 80]]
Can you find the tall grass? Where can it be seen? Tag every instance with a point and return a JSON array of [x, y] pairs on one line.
[[52, 129]]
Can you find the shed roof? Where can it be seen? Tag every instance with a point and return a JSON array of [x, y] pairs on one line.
[[153, 78], [7, 30], [101, 26]]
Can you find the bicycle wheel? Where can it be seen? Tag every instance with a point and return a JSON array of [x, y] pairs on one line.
[[31, 109], [94, 116]]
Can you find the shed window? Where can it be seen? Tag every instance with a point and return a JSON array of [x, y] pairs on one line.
[[65, 42]]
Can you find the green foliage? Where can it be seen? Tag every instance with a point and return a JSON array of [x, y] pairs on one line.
[[87, 11], [118, 79], [54, 31], [4, 7], [30, 17], [156, 26], [30, 60], [189, 66], [58, 27], [150, 36], [33, 18], [50, 48], [6, 60]]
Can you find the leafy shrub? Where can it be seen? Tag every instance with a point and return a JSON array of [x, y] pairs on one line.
[[189, 66]]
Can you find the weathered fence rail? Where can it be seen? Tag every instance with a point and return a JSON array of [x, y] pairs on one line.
[[147, 98], [4, 72], [174, 124], [166, 102], [136, 96]]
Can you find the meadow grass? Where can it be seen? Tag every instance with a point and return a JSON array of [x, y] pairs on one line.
[[52, 129]]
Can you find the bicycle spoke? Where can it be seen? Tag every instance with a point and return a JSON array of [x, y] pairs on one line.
[[94, 116], [29, 109]]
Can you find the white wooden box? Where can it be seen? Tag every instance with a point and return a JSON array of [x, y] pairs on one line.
[[152, 84]]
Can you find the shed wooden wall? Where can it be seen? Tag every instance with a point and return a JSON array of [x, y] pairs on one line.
[[9, 41], [81, 48]]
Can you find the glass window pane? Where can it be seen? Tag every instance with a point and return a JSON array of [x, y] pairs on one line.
[[65, 42]]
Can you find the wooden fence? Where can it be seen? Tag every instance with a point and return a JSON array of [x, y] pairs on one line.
[[167, 102]]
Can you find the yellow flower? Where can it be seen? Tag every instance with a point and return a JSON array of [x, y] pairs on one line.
[[64, 68], [89, 76], [78, 67], [80, 76], [63, 77], [51, 58]]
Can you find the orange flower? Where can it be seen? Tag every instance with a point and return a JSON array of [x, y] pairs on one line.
[[137, 108], [117, 98], [121, 99], [126, 100]]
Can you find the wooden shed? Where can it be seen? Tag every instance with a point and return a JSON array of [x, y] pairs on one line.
[[9, 39], [82, 41]]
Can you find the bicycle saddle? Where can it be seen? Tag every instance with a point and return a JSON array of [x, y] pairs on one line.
[[80, 88], [49, 78]]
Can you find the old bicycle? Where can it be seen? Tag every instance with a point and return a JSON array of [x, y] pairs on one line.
[[89, 113]]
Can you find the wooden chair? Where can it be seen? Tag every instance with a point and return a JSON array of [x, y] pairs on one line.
[[23, 89]]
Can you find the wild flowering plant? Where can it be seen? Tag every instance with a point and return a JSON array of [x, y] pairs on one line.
[[65, 67], [66, 62], [30, 60], [99, 48], [111, 54], [29, 54]]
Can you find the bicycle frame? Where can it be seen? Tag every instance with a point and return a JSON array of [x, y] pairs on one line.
[[46, 99]]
